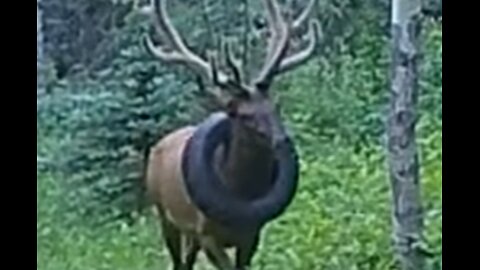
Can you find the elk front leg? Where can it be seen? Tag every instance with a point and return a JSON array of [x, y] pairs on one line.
[[245, 252], [216, 254]]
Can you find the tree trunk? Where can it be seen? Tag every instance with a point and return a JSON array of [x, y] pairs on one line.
[[40, 51], [403, 162]]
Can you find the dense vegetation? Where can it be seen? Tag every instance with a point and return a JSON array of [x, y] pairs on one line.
[[94, 128]]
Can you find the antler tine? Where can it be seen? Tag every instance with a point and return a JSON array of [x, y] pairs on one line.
[[232, 62], [165, 26], [179, 52], [277, 60], [213, 60], [299, 58], [225, 82], [159, 52], [277, 47], [297, 23]]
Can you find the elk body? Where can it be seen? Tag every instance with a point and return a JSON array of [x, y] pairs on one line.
[[215, 185]]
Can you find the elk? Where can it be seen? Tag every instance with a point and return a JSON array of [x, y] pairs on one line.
[[215, 185]]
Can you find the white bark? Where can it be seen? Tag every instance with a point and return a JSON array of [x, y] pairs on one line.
[[40, 51], [403, 163]]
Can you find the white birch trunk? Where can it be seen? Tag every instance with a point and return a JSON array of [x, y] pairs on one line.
[[403, 162]]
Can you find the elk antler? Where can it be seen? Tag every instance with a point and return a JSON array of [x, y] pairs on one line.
[[276, 61], [297, 59], [178, 52], [304, 15]]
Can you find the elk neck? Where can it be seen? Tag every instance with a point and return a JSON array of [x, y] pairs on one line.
[[249, 165]]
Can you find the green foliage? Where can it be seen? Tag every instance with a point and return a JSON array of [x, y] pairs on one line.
[[112, 121], [351, 97], [430, 99], [350, 89], [339, 220]]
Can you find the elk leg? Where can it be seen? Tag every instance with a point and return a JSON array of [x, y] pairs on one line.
[[192, 251], [245, 252], [216, 255], [171, 235]]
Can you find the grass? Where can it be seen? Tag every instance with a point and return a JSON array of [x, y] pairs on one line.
[[340, 220]]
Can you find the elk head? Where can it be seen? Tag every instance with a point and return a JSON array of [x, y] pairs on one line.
[[247, 103], [252, 119]]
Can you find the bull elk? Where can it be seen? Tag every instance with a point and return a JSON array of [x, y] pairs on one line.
[[216, 185]]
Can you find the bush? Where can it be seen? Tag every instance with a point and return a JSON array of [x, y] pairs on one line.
[[107, 125]]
